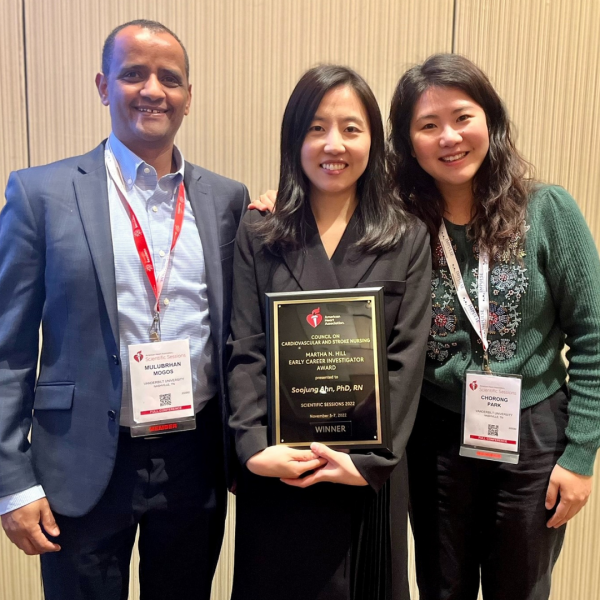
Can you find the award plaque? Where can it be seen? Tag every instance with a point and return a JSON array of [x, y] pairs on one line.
[[327, 368]]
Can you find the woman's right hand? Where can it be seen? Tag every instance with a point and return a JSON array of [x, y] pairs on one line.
[[265, 202], [282, 461]]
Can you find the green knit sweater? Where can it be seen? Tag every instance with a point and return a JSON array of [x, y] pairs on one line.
[[551, 298]]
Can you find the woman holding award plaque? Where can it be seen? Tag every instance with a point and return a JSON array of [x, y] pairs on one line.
[[502, 452], [314, 523]]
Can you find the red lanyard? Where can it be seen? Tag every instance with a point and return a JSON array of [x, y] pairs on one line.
[[138, 235], [142, 245]]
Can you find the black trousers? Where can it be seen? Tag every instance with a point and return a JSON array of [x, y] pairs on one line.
[[173, 488], [473, 517]]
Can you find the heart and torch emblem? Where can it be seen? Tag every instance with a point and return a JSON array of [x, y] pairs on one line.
[[315, 317]]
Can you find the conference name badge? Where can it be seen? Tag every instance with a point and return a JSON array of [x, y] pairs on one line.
[[491, 416], [161, 387]]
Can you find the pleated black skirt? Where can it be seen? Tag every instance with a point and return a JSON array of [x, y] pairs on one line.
[[326, 542]]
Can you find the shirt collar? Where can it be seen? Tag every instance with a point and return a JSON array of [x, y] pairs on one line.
[[132, 166]]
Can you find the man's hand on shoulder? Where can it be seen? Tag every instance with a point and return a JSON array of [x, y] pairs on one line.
[[23, 526], [265, 202]]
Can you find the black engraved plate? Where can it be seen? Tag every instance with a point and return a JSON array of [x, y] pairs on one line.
[[327, 368]]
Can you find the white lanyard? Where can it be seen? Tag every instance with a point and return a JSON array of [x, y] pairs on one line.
[[479, 321]]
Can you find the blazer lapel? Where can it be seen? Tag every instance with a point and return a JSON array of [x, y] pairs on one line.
[[203, 206], [351, 263], [91, 194], [312, 268], [310, 265]]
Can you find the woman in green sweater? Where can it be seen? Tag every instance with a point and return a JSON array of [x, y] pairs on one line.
[[474, 514]]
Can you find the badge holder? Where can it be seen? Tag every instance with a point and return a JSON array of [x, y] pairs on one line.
[[161, 427], [491, 416], [161, 388]]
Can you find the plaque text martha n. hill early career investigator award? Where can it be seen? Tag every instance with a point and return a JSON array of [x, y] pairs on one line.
[[327, 368]]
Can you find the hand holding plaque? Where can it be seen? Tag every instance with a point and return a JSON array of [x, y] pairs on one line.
[[338, 468], [327, 369], [283, 462]]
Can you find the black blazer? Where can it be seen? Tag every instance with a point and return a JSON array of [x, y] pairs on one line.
[[405, 273]]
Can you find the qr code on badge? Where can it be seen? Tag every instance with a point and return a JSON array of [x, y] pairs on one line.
[[165, 399], [493, 430]]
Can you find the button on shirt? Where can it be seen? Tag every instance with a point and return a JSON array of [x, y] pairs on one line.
[[183, 302]]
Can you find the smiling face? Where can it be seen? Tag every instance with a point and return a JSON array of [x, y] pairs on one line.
[[146, 89], [335, 151], [450, 138]]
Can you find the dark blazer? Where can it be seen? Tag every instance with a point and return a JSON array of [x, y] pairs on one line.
[[57, 268], [405, 273]]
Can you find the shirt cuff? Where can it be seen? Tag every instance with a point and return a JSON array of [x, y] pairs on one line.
[[20, 499]]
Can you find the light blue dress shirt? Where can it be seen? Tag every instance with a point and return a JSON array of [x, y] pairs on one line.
[[183, 302]]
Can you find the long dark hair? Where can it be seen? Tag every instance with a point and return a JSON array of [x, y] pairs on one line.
[[501, 187], [382, 219]]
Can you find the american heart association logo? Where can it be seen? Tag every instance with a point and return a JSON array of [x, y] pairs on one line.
[[473, 385], [138, 356], [314, 318]]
